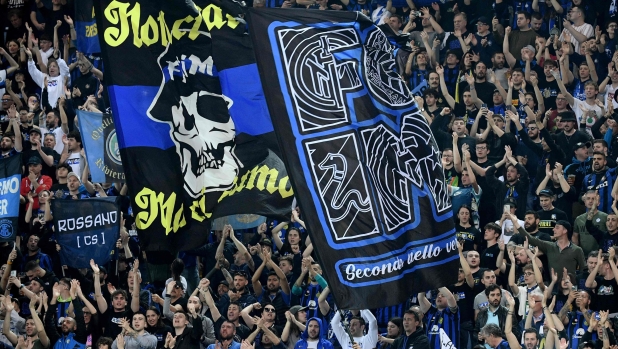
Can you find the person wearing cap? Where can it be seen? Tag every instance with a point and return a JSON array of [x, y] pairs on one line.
[[548, 214], [45, 155], [561, 253], [483, 41], [566, 194], [579, 30], [60, 188], [35, 182], [586, 111], [580, 167], [277, 290], [516, 184], [570, 136], [74, 185], [232, 313], [296, 320]]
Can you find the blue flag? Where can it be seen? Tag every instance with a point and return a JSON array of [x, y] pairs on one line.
[[86, 27], [86, 229], [10, 181], [101, 146], [363, 162]]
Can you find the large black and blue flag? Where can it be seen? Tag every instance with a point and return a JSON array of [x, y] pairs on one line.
[[86, 229], [101, 146], [86, 27], [10, 182], [188, 156], [363, 162]]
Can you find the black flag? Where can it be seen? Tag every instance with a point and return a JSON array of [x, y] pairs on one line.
[[364, 164]]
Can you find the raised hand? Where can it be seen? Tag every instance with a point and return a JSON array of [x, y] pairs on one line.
[[68, 20], [507, 31], [440, 70], [93, 265]]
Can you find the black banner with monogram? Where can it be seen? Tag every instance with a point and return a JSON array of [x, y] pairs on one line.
[[363, 162]]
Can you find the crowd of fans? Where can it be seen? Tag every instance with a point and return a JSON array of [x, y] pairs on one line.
[[520, 96]]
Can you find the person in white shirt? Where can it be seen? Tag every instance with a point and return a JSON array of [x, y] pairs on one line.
[[588, 111], [357, 328], [57, 70], [51, 125], [72, 152], [7, 72], [579, 30]]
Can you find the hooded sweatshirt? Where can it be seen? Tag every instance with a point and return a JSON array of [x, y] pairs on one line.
[[322, 342]]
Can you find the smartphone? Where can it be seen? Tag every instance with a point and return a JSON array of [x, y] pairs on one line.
[[507, 208], [483, 106], [574, 288], [597, 316], [13, 272]]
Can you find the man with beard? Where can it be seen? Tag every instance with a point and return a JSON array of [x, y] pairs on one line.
[[540, 147], [451, 175], [74, 334], [239, 294], [226, 337], [444, 315], [484, 89], [35, 332], [414, 333], [565, 194], [581, 235], [480, 300], [312, 336], [10, 147], [531, 225], [498, 60], [604, 239], [570, 139], [277, 289], [473, 258], [580, 167], [601, 179], [186, 337], [494, 297], [35, 254], [576, 321], [516, 184], [561, 254], [356, 330], [548, 214], [134, 335], [600, 145], [52, 125], [233, 313]]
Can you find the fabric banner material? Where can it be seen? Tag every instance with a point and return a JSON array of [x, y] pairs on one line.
[[86, 27], [445, 341], [10, 182], [86, 229], [101, 146], [239, 221], [187, 158], [364, 164]]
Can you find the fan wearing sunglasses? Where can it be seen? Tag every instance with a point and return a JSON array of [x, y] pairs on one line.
[[269, 314]]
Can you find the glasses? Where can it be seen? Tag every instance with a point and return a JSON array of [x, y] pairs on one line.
[[613, 26], [528, 274], [269, 310], [5, 100], [532, 128]]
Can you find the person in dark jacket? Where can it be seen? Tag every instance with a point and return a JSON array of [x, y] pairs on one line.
[[312, 333], [516, 182], [185, 337], [74, 334], [414, 334]]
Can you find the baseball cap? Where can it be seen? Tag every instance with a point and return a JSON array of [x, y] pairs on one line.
[[546, 192], [565, 224], [295, 309], [34, 160], [73, 174], [483, 20], [36, 130], [531, 48], [510, 202], [582, 144]]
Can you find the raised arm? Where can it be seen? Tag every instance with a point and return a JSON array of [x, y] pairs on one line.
[[241, 248], [101, 302], [563, 88], [423, 302], [510, 59], [508, 324], [449, 99], [205, 292], [13, 66]]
